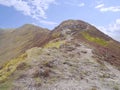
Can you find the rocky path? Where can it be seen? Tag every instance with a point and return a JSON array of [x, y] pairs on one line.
[[71, 68]]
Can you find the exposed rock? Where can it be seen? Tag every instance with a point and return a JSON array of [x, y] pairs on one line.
[[83, 51]]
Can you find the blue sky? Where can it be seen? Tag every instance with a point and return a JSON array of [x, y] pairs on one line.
[[104, 14]]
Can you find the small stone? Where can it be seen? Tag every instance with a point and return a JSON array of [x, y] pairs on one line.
[[84, 52]]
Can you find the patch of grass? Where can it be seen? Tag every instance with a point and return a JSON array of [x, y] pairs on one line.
[[5, 86], [10, 67], [95, 39], [38, 81], [55, 35], [116, 87], [93, 88], [33, 52], [54, 44]]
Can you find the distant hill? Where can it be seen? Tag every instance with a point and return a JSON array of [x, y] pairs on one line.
[[15, 42]]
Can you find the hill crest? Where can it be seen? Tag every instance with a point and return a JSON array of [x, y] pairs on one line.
[[32, 57]]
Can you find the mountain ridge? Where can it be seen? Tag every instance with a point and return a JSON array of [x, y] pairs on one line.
[[70, 28], [74, 28], [74, 52]]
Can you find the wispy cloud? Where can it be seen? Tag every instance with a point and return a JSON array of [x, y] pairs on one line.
[[98, 1], [33, 8], [48, 22], [81, 4], [102, 8], [112, 30], [75, 3]]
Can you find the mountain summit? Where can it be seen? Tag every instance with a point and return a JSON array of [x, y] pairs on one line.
[[77, 26], [73, 24], [73, 56]]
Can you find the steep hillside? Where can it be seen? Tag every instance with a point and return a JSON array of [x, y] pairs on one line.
[[77, 26], [73, 56], [15, 42], [103, 45]]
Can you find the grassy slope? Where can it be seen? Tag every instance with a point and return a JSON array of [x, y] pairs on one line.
[[15, 42], [106, 48], [104, 45]]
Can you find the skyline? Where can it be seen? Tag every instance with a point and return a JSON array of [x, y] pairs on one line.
[[105, 15]]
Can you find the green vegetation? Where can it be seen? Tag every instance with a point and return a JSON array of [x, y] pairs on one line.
[[95, 39], [5, 86], [33, 52], [54, 44], [55, 35], [94, 88], [10, 67], [116, 87], [37, 81]]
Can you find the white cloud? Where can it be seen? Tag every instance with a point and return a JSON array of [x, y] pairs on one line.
[[118, 21], [99, 6], [112, 30], [102, 8], [81, 4], [113, 9], [48, 22], [33, 8], [115, 26]]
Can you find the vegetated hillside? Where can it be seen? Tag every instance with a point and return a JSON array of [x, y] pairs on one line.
[[103, 45], [73, 56], [15, 42], [79, 28]]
